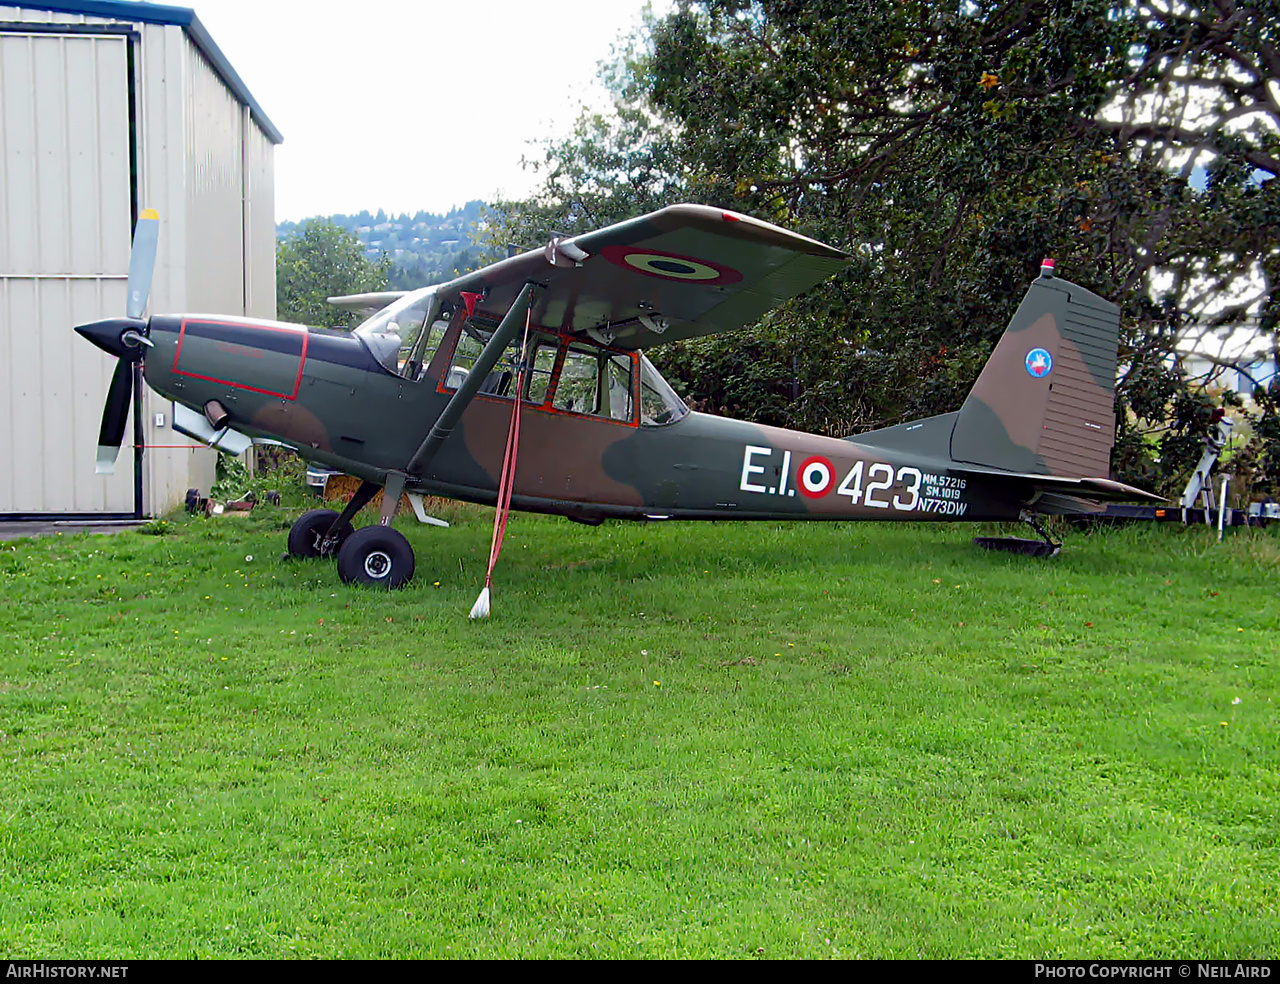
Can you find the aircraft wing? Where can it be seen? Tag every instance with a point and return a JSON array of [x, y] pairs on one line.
[[685, 271], [366, 304]]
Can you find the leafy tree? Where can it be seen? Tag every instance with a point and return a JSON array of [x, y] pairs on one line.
[[320, 260], [951, 146], [612, 167]]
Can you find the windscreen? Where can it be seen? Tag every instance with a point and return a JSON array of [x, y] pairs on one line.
[[392, 333], [658, 401]]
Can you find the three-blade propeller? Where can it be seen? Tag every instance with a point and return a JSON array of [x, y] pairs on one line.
[[125, 338]]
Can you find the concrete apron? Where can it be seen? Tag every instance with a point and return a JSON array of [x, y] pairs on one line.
[[16, 531]]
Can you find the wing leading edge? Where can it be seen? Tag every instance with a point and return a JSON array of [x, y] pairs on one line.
[[366, 304]]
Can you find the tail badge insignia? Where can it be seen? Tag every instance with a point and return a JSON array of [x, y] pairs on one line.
[[1039, 362]]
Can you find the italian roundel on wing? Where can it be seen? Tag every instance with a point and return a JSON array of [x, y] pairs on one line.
[[671, 266]]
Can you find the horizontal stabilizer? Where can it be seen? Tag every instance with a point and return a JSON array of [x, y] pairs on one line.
[[1093, 489]]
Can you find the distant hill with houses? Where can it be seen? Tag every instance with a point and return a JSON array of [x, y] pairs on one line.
[[424, 248]]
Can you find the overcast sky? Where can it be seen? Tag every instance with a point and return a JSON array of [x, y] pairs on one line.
[[414, 104]]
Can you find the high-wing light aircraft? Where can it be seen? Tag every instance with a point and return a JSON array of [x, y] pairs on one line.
[[421, 397]]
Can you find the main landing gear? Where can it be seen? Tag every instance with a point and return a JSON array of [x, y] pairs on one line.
[[376, 555], [310, 535]]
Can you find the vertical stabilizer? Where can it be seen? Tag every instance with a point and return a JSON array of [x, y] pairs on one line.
[[1044, 403]]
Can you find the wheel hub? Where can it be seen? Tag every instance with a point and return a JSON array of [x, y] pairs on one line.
[[377, 564]]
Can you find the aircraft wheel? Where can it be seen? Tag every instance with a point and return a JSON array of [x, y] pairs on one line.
[[376, 555], [307, 534]]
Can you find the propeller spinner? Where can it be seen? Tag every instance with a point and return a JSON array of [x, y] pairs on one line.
[[125, 338]]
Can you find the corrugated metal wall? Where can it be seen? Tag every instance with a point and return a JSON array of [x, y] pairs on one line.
[[215, 191], [202, 163], [260, 220], [164, 96], [64, 248]]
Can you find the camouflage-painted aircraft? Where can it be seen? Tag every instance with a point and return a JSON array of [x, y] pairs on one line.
[[419, 398]]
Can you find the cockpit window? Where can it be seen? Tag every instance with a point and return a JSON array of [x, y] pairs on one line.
[[597, 382], [573, 376], [501, 379], [430, 341], [658, 401], [576, 390], [541, 366], [615, 388], [395, 334]]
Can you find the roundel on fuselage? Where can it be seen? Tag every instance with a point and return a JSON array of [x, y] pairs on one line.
[[817, 475]]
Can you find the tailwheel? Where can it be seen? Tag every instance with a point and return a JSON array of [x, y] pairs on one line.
[[1019, 545], [1046, 546], [376, 555], [310, 536]]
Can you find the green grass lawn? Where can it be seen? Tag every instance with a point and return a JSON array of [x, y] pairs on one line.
[[702, 740]]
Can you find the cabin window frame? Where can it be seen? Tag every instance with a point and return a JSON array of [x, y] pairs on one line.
[[603, 354]]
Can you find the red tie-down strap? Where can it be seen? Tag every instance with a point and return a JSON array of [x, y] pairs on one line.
[[507, 481]]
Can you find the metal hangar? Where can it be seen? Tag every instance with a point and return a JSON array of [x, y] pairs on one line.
[[108, 108]]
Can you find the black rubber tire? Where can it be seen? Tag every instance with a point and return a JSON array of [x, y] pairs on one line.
[[305, 534], [376, 555]]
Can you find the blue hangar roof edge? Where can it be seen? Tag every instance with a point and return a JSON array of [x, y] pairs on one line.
[[154, 13]]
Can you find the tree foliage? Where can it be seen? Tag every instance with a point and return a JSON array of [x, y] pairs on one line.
[[949, 147], [320, 260]]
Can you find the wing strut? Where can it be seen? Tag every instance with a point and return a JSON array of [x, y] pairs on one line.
[[512, 321]]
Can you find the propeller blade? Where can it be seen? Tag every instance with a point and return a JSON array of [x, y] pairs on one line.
[[114, 416], [125, 339], [142, 260]]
